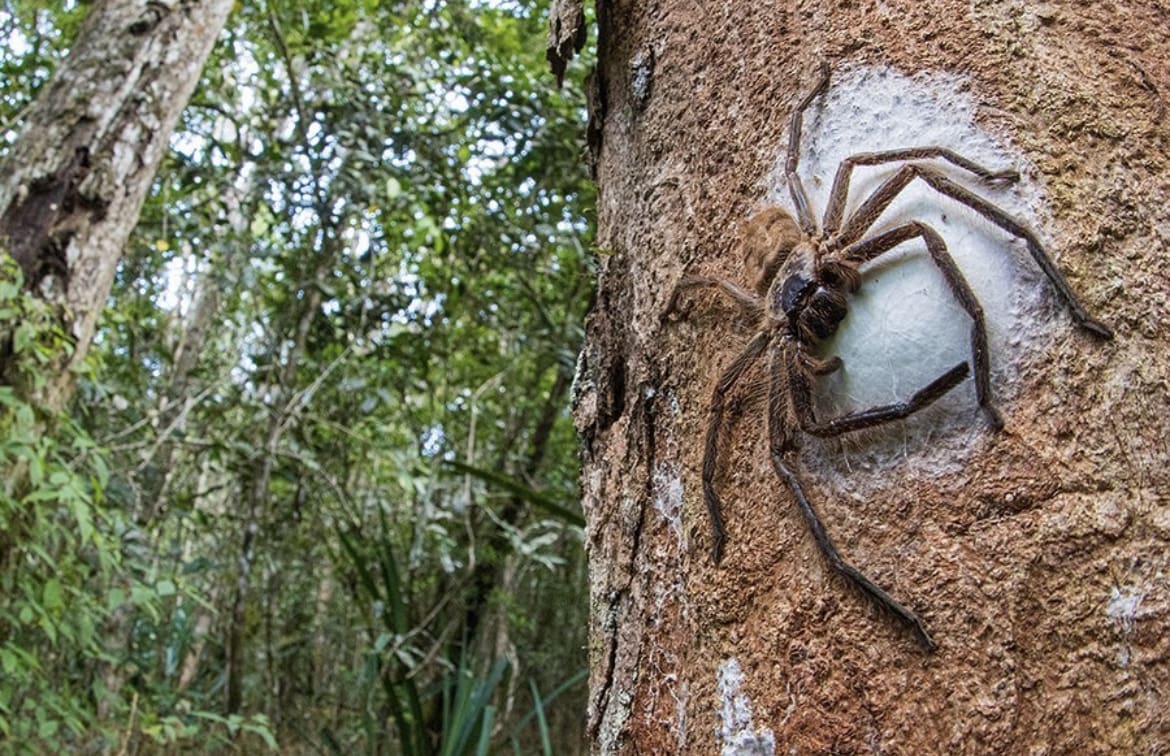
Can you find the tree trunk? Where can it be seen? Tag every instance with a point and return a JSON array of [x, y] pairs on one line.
[[73, 184], [1036, 555]]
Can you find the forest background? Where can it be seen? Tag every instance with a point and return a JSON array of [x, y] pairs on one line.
[[316, 487]]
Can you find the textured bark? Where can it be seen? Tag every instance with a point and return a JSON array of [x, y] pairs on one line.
[[73, 184], [1040, 564], [566, 35]]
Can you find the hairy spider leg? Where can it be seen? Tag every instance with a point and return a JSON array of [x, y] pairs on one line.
[[876, 246], [781, 445], [867, 214], [711, 452], [804, 214], [750, 303], [867, 418], [840, 191]]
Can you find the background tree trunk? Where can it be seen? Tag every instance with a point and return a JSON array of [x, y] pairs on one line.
[[73, 184], [1039, 561]]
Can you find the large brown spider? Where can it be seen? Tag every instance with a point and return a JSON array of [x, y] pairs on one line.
[[802, 283]]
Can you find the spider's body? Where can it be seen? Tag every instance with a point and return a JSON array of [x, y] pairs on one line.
[[802, 277], [810, 298]]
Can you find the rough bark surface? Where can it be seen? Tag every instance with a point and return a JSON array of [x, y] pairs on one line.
[[1041, 566], [73, 184], [566, 35]]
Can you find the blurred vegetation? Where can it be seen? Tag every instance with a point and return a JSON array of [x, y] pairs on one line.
[[317, 488]]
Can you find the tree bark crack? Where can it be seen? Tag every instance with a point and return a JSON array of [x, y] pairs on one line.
[[603, 691]]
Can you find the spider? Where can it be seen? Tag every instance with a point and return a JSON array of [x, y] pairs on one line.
[[802, 282]]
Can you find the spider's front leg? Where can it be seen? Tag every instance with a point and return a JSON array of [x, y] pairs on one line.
[[840, 191], [795, 187], [782, 448], [869, 211]]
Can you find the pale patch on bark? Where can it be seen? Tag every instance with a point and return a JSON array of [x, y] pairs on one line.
[[668, 497], [1123, 611], [737, 734]]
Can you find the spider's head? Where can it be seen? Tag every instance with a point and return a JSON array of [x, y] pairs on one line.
[[814, 304], [769, 237]]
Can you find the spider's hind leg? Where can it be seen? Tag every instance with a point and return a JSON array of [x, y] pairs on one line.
[[782, 449], [868, 418], [820, 367]]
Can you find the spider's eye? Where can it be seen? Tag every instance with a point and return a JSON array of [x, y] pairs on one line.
[[793, 294]]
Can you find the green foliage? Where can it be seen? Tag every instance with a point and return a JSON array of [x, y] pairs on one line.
[[66, 572], [55, 555], [467, 713], [31, 332], [330, 399]]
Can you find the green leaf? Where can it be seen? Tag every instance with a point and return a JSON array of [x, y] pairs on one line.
[[115, 598], [259, 226], [22, 337], [542, 723], [537, 498], [49, 629], [52, 596], [36, 471], [259, 726], [47, 728], [485, 731], [84, 516], [145, 599], [573, 680]]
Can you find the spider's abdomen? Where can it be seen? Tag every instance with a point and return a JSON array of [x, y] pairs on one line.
[[769, 237]]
